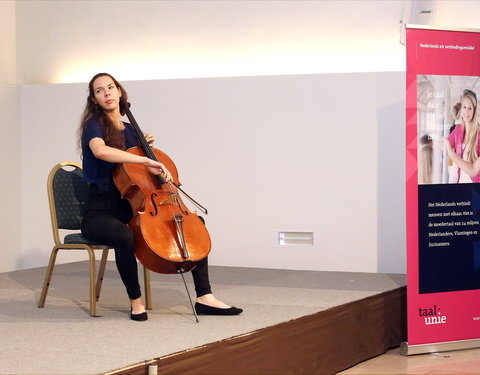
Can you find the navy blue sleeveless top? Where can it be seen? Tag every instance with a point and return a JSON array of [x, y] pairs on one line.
[[96, 171]]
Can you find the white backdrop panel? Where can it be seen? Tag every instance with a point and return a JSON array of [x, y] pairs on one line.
[[263, 154]]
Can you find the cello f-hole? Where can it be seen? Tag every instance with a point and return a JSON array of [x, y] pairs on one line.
[[154, 205]]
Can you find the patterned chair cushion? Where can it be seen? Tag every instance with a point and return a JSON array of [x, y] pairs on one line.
[[78, 238], [71, 194]]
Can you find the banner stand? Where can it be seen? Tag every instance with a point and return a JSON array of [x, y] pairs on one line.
[[406, 349], [443, 189]]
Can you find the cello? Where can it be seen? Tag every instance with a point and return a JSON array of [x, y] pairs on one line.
[[168, 237]]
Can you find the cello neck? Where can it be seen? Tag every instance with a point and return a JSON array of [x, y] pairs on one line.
[[140, 138], [139, 134]]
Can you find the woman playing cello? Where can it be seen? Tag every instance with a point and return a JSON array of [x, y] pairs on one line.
[[104, 139]]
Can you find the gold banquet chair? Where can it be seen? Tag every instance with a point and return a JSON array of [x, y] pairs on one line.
[[67, 197]]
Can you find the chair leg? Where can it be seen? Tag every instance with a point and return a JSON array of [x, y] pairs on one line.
[[148, 290], [93, 300], [101, 273], [48, 277]]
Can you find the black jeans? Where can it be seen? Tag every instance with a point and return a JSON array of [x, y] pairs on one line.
[[105, 221]]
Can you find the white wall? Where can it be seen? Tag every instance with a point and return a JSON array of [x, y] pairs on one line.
[[7, 42], [69, 41], [359, 218], [264, 154], [72, 40], [10, 198]]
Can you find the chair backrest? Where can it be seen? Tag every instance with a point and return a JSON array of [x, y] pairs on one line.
[[68, 194]]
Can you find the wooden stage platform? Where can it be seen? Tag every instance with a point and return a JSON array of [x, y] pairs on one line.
[[294, 322]]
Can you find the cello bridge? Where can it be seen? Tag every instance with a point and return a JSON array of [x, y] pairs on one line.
[[169, 199]]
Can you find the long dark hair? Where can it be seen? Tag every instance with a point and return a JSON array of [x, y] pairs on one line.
[[113, 137]]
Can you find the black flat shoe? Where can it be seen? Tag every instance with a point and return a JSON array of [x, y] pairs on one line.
[[202, 309], [139, 317]]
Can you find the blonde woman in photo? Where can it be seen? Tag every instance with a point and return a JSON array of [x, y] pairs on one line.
[[463, 143]]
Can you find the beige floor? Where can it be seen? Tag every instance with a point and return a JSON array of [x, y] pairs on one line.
[[392, 363]]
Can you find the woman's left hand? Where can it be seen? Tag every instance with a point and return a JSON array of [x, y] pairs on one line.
[[149, 138]]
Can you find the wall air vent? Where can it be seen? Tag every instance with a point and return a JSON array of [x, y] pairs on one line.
[[301, 239]]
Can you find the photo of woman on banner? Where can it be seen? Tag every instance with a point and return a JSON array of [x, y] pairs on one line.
[[447, 120], [463, 144]]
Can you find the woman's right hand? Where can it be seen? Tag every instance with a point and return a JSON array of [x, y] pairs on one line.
[[158, 168]]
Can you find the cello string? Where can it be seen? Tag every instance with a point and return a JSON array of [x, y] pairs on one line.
[[151, 154]]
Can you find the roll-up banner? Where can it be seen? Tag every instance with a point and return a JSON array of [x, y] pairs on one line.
[[443, 193]]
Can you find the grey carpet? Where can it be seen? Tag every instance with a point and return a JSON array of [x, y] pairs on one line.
[[62, 338]]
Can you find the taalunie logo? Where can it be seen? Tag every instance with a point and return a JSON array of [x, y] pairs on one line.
[[432, 315]]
